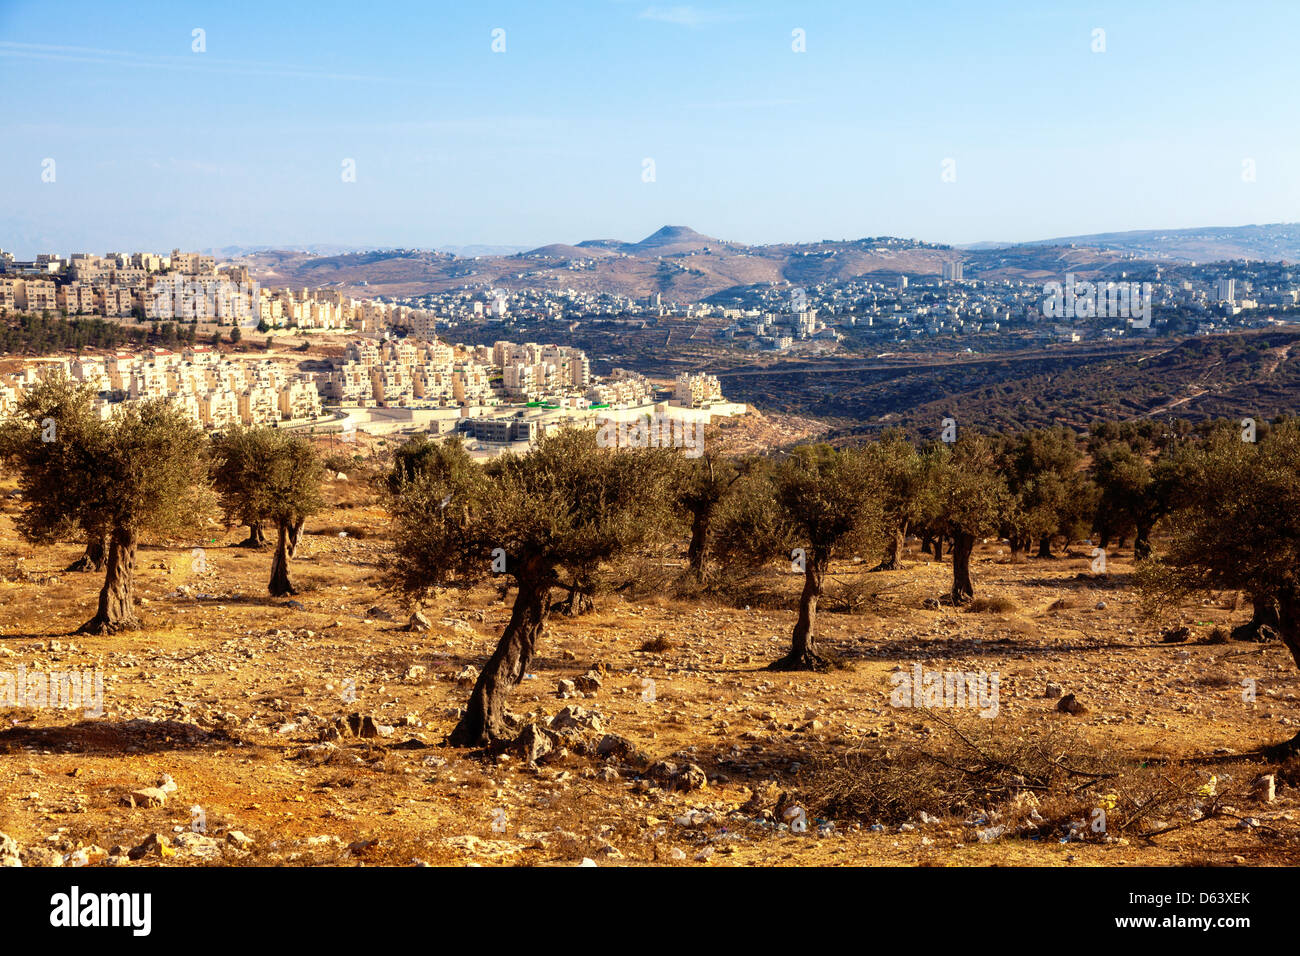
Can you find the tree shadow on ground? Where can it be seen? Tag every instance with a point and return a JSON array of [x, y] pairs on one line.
[[941, 648], [113, 737], [1108, 582]]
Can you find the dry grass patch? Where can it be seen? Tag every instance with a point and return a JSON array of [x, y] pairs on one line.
[[993, 605]]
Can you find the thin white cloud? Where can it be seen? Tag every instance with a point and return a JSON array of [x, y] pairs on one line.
[[193, 63]]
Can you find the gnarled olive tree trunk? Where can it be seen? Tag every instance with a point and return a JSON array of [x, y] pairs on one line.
[[1142, 542], [578, 602], [484, 722], [295, 535], [962, 546], [280, 585], [117, 597], [93, 558], [804, 654], [1265, 615], [1045, 546], [699, 546], [893, 555], [256, 538]]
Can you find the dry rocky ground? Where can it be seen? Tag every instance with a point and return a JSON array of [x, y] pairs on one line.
[[238, 704]]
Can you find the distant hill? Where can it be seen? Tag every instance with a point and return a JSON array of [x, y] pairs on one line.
[[687, 266], [1274, 241], [558, 250], [671, 239]]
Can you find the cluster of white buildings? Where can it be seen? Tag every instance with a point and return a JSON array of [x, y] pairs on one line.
[[182, 287], [780, 330], [623, 389], [415, 373], [213, 391], [383, 381], [541, 373], [407, 373]]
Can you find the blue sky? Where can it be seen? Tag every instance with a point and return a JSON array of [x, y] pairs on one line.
[[156, 146]]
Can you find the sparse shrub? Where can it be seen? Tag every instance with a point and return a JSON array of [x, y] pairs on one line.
[[348, 530], [742, 587], [979, 766], [1047, 781], [1217, 681], [646, 577], [338, 463], [856, 594]]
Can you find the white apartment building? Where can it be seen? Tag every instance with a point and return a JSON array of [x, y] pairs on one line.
[[697, 390]]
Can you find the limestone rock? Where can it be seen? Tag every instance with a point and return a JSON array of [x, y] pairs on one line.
[[9, 851], [146, 797], [41, 856], [154, 842], [1264, 788], [534, 743], [615, 747], [363, 725], [577, 718]]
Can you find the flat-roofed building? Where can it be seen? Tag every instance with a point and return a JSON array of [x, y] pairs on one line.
[[299, 401], [501, 431], [36, 295]]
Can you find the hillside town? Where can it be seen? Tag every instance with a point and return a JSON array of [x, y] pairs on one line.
[[393, 358], [197, 289]]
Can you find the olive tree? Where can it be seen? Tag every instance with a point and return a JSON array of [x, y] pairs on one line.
[[269, 475], [239, 460], [1239, 528], [900, 473], [817, 503], [140, 473], [1049, 494], [699, 487], [1139, 489], [967, 499], [563, 509], [46, 441]]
